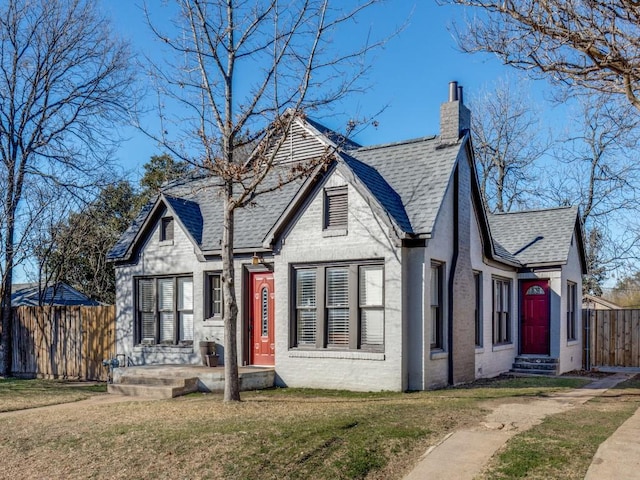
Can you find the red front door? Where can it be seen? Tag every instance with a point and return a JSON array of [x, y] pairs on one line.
[[535, 317], [262, 314]]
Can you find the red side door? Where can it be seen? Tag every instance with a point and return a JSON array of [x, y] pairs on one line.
[[262, 319], [535, 317]]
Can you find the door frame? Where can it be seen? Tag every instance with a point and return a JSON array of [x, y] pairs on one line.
[[521, 315], [247, 270]]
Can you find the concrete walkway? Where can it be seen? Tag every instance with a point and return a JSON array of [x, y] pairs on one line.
[[618, 457], [463, 454]]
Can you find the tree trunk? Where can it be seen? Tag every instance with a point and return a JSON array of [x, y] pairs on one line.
[[6, 343], [231, 380]]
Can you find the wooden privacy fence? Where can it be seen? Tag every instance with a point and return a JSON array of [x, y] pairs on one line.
[[63, 342], [611, 338]]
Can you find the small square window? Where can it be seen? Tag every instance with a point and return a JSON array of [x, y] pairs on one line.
[[335, 208], [166, 229]]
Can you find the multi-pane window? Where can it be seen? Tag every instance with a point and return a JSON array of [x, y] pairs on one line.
[[339, 306], [166, 229], [371, 305], [437, 311], [571, 310], [164, 310], [477, 311], [306, 314], [501, 310], [335, 208], [213, 296]]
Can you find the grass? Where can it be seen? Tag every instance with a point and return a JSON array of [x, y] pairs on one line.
[[563, 445], [281, 433], [16, 394]]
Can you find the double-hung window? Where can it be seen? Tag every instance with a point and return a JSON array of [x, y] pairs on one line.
[[164, 307], [571, 310], [437, 310], [339, 306], [501, 310], [477, 311], [213, 296]]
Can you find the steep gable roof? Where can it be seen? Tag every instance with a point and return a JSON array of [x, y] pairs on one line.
[[537, 237], [418, 171]]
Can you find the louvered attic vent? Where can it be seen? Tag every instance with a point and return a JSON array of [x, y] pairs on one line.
[[335, 208]]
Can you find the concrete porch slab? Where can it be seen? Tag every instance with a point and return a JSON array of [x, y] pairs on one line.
[[210, 379]]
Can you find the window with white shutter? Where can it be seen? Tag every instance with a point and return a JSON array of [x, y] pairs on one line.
[[146, 311], [185, 308], [164, 310], [371, 305], [339, 306], [306, 307]]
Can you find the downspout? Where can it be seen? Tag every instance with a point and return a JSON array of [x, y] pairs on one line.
[[452, 271]]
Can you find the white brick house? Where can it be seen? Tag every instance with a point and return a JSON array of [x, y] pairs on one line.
[[383, 273]]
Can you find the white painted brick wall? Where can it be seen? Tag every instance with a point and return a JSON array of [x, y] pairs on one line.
[[366, 239]]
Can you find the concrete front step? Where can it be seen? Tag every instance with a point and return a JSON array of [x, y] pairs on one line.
[[207, 379], [533, 371], [535, 365], [153, 387]]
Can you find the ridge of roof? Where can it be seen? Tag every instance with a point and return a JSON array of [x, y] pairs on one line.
[[396, 144], [535, 210]]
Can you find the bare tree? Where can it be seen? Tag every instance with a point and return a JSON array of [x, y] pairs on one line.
[[64, 81], [507, 142], [588, 43], [243, 71], [600, 173]]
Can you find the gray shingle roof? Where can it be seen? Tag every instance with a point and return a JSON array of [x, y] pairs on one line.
[[535, 236], [418, 171], [252, 222], [381, 190], [189, 214], [119, 250], [408, 179]]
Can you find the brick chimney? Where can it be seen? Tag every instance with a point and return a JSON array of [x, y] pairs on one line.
[[455, 118]]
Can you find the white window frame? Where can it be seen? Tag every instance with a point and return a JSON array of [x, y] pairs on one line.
[[502, 290], [572, 305]]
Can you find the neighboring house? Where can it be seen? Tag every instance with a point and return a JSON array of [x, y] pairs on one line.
[[591, 302], [382, 272], [33, 294]]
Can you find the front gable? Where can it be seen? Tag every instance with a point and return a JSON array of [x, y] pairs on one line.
[[169, 222]]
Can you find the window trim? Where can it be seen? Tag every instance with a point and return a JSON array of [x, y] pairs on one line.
[[572, 295], [331, 193], [321, 307], [210, 314], [502, 320], [167, 229], [478, 313], [177, 313], [437, 323]]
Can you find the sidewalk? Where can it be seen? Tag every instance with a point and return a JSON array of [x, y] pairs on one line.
[[619, 456], [463, 454]]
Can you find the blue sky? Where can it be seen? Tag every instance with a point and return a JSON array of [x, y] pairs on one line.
[[409, 77]]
